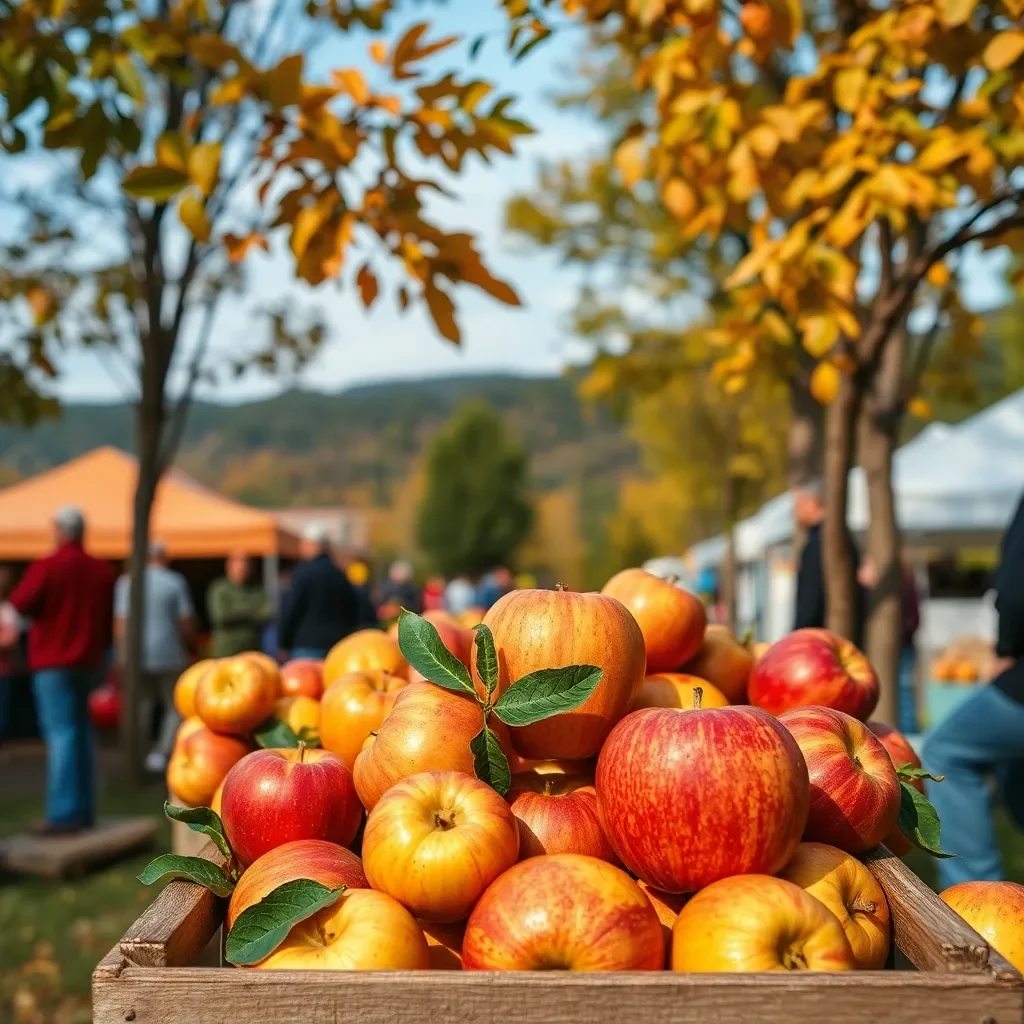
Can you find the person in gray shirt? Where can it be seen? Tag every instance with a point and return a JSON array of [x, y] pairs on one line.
[[167, 631]]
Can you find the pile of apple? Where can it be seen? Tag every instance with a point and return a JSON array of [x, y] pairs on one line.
[[581, 782]]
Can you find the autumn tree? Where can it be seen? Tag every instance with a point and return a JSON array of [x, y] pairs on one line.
[[164, 141], [477, 508], [871, 148]]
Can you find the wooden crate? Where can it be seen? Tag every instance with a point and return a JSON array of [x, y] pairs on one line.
[[150, 978]]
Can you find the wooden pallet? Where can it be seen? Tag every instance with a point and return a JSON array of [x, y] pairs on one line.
[[59, 856], [150, 977]]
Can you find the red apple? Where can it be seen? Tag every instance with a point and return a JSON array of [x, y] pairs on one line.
[[323, 862], [563, 912], [813, 667], [688, 797], [272, 797], [855, 795], [557, 814], [303, 677], [672, 620], [898, 747]]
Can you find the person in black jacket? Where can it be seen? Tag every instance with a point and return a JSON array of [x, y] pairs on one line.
[[809, 509], [984, 737], [321, 606]]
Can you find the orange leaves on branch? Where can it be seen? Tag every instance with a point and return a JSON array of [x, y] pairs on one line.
[[352, 82], [1004, 50], [631, 160], [408, 51], [825, 382], [379, 52], [366, 281], [238, 246], [282, 84], [442, 312]]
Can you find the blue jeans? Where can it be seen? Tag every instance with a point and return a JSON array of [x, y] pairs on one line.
[[307, 652], [979, 741], [908, 692], [62, 709]]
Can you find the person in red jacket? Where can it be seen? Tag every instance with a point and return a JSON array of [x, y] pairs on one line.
[[68, 599]]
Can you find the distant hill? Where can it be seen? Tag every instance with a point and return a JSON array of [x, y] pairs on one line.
[[306, 447]]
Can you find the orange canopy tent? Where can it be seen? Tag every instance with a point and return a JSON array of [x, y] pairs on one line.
[[191, 520]]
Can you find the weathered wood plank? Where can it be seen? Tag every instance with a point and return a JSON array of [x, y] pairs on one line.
[[187, 995], [929, 934], [59, 856], [178, 925]]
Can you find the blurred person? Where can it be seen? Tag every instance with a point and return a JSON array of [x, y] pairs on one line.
[[166, 635], [10, 639], [494, 586], [811, 609], [238, 610], [984, 737], [459, 595], [68, 598], [433, 594], [322, 605], [268, 639], [398, 591]]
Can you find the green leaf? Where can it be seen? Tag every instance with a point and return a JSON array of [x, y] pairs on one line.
[[422, 648], [486, 657], [192, 869], [909, 771], [489, 761], [261, 928], [201, 819], [919, 821], [274, 733], [150, 181], [309, 736], [551, 691]]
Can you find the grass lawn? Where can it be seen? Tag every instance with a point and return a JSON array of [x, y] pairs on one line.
[[52, 934]]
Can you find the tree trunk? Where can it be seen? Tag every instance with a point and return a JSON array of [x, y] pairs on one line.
[[878, 433], [727, 582], [149, 434], [837, 558], [804, 447]]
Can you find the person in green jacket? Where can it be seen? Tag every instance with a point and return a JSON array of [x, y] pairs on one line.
[[238, 610]]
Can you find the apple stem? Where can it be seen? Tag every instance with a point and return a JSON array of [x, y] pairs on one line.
[[859, 906], [302, 751], [698, 696], [561, 588], [673, 579]]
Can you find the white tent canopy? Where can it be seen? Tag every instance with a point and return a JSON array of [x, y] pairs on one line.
[[966, 478]]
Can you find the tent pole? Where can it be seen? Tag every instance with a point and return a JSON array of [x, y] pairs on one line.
[[270, 579]]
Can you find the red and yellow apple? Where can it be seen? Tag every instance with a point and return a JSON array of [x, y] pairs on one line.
[[538, 629], [273, 797], [187, 727], [723, 661], [750, 923], [429, 729], [363, 931], [813, 667], [855, 795], [688, 797], [677, 690], [185, 687], [199, 763], [269, 665], [563, 912], [456, 638], [671, 619], [851, 892], [302, 677], [366, 648], [995, 910], [557, 814], [316, 859], [235, 695], [436, 840], [353, 706], [471, 617]]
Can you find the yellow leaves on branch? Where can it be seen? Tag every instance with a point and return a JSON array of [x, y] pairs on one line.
[[631, 160], [193, 215], [1004, 50], [352, 81], [824, 385]]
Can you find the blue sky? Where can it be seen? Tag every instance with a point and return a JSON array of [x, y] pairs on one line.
[[382, 344]]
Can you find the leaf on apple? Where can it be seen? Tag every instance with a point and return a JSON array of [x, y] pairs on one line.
[[309, 735], [261, 928], [489, 761], [201, 819], [486, 657], [909, 771], [192, 869], [550, 691], [919, 821], [275, 733], [421, 646]]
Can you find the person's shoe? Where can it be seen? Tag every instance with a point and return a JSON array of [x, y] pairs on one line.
[[156, 763], [55, 829]]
